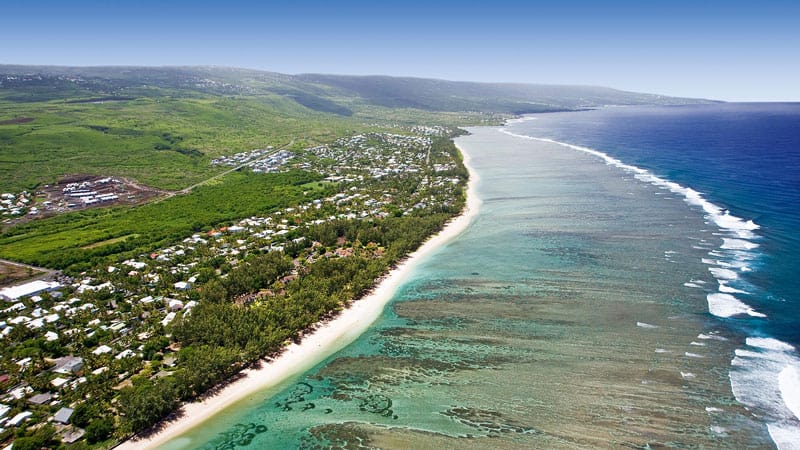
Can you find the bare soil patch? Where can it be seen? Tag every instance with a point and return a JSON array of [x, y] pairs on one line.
[[16, 121]]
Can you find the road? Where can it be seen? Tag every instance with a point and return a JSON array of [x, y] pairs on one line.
[[42, 272], [220, 175]]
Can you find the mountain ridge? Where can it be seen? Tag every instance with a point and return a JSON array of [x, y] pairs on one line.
[[337, 94]]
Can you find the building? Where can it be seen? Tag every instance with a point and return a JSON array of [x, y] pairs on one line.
[[41, 399], [101, 350], [63, 415], [19, 418], [13, 293], [68, 365]]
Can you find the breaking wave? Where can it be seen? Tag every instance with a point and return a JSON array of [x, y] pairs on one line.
[[765, 375]]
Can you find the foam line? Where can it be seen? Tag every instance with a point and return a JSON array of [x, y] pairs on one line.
[[743, 229], [726, 305]]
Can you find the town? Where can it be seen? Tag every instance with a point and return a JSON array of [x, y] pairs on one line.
[[73, 343]]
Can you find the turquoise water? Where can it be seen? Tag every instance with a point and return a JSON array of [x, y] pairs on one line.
[[573, 313]]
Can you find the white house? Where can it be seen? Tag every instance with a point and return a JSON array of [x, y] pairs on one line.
[[183, 285], [68, 365], [127, 353], [16, 420], [58, 382], [168, 318], [175, 305], [103, 349]]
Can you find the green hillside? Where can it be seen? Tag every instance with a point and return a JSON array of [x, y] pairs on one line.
[[162, 126]]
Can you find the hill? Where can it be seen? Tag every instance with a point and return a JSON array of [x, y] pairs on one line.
[[441, 95], [162, 126], [319, 92]]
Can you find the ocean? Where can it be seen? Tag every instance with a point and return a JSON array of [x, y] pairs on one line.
[[629, 282]]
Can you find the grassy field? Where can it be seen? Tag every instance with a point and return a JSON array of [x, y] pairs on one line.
[[77, 240], [166, 143]]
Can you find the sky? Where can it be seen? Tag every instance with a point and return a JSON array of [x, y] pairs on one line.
[[727, 50]]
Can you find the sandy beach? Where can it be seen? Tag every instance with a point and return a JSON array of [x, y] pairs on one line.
[[327, 339]]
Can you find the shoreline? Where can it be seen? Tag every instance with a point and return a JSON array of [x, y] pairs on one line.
[[323, 341]]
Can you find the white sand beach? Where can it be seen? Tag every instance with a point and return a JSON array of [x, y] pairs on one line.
[[327, 339]]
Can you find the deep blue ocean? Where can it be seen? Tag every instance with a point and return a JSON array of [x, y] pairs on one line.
[[743, 157], [740, 162]]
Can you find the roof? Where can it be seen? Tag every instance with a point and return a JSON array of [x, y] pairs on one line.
[[40, 399], [68, 364], [101, 349], [58, 382], [16, 420], [125, 354], [22, 290], [63, 415], [72, 435]]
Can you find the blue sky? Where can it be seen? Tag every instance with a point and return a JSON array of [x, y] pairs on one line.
[[730, 50]]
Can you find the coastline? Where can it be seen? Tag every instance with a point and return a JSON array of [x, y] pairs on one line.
[[328, 338]]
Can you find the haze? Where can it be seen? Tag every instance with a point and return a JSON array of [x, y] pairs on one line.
[[730, 50]]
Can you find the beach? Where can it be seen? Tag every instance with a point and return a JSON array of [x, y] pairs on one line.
[[324, 341]]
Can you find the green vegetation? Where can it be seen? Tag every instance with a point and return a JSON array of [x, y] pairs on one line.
[[166, 143], [163, 301], [69, 240], [219, 338], [162, 126]]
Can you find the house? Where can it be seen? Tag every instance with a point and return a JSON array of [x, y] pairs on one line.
[[101, 350], [73, 435], [169, 360], [15, 307], [51, 318], [35, 324], [68, 365], [127, 353], [41, 399], [24, 363], [63, 415], [183, 285], [58, 382], [20, 391], [168, 318], [19, 418], [175, 305]]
